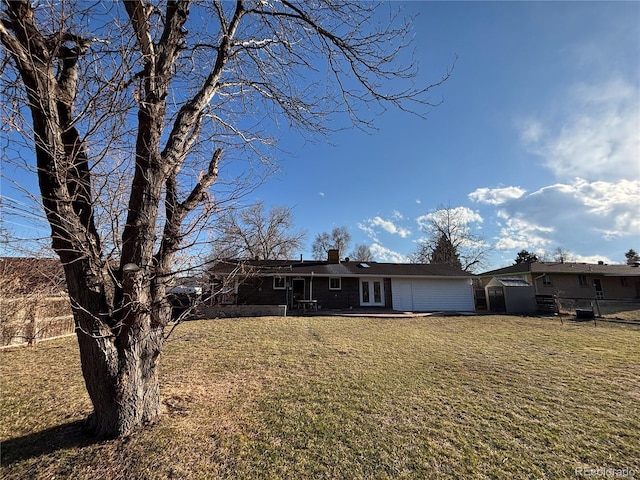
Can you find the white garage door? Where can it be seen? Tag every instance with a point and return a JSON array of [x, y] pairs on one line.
[[432, 295]]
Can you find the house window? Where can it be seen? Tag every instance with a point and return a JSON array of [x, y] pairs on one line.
[[546, 280], [371, 291], [279, 283], [582, 279], [335, 283]]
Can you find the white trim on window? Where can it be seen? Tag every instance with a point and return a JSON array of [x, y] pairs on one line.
[[335, 283], [279, 283]]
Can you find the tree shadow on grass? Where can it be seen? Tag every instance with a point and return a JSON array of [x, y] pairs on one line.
[[33, 445]]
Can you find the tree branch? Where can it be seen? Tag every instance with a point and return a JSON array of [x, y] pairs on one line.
[[139, 16], [186, 122], [176, 211]]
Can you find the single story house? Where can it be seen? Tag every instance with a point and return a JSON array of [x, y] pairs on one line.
[[575, 280], [335, 284]]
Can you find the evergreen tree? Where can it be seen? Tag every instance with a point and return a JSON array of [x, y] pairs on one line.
[[524, 256], [445, 252], [632, 257]]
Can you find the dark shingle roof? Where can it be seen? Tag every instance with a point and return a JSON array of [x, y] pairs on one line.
[[566, 268], [343, 269]]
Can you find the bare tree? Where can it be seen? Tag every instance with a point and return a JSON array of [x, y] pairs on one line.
[[361, 253], [448, 230], [562, 255], [254, 233], [178, 97], [339, 239]]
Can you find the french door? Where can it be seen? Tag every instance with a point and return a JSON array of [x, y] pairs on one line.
[[371, 291]]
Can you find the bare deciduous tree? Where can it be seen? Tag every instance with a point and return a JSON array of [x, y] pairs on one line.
[[450, 226], [361, 253], [252, 233], [561, 255], [339, 239], [175, 100]]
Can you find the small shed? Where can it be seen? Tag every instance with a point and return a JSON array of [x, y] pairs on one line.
[[510, 295]]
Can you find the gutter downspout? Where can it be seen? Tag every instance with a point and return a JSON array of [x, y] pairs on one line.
[[311, 287]]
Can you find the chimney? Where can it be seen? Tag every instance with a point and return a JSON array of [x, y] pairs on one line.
[[333, 256]]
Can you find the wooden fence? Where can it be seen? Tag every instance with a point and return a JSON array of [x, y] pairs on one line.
[[30, 319]]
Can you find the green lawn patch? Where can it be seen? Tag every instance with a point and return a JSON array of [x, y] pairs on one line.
[[353, 398]]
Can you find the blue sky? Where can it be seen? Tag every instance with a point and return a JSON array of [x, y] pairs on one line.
[[537, 139]]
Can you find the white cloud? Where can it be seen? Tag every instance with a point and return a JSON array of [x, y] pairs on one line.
[[577, 215], [619, 203], [397, 215], [591, 259], [370, 231], [530, 130], [383, 254], [496, 196], [370, 226], [519, 233], [590, 142], [597, 138]]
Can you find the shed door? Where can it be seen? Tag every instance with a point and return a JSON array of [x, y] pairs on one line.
[[496, 299]]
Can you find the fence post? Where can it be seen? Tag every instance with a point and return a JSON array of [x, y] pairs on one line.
[[30, 331], [556, 302]]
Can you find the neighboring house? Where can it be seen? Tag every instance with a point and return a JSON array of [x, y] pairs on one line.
[[336, 284], [575, 280]]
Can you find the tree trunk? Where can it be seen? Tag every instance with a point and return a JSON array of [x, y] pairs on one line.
[[118, 351], [122, 381], [119, 316]]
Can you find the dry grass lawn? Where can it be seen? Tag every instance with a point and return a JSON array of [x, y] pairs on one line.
[[352, 398]]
